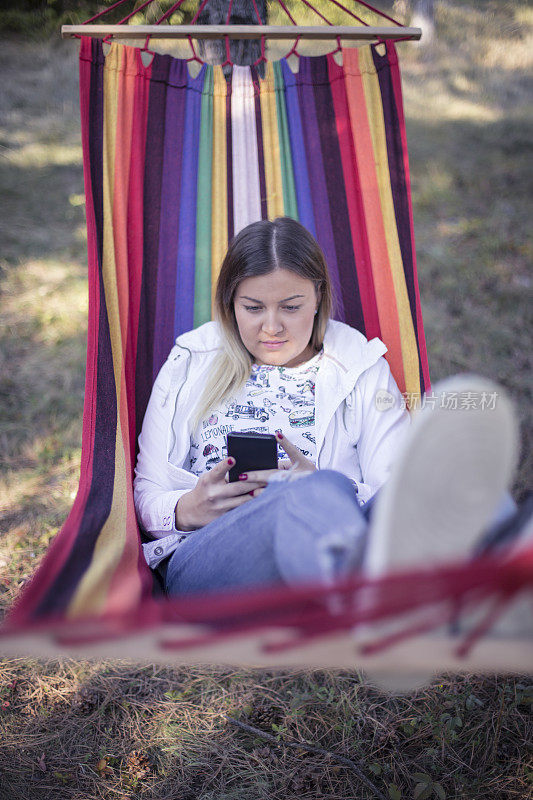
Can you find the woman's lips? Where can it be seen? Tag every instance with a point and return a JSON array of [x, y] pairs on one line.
[[272, 345]]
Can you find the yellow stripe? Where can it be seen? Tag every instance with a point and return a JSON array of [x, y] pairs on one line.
[[111, 81], [92, 590], [271, 146], [92, 593], [123, 141], [377, 129], [219, 216]]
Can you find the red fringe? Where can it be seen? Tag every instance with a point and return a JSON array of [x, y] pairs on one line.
[[305, 612]]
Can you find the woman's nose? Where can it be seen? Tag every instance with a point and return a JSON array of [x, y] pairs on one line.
[[272, 324]]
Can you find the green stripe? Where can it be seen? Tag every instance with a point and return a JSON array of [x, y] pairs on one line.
[[287, 174], [202, 266]]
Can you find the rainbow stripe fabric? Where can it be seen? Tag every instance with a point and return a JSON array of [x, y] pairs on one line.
[[174, 167]]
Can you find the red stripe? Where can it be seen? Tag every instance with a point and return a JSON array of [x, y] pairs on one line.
[[135, 230], [126, 119], [354, 201]]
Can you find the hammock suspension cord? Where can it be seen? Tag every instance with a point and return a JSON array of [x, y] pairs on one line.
[[239, 31]]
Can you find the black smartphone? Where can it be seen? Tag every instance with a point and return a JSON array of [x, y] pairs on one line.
[[251, 451]]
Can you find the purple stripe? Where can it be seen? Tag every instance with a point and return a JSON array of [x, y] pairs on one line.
[[229, 161], [170, 211], [260, 149], [184, 306], [317, 179], [299, 161], [100, 495], [336, 193], [398, 184], [149, 322], [95, 140]]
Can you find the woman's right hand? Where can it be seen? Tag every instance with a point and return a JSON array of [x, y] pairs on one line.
[[212, 496]]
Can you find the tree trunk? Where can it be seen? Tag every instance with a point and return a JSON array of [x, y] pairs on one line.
[[424, 17]]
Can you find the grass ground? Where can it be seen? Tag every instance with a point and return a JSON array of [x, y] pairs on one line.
[[115, 729]]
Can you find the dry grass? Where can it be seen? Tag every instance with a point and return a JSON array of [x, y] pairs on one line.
[[119, 730], [469, 113], [116, 730]]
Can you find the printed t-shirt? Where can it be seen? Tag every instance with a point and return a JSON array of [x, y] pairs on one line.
[[272, 399]]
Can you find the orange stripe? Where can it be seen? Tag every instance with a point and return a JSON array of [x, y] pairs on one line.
[[379, 256], [374, 103]]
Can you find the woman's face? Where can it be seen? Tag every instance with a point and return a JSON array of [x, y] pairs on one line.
[[275, 315]]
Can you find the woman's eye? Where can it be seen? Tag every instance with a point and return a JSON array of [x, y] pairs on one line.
[[252, 308], [292, 308]]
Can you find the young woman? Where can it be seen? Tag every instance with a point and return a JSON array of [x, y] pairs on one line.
[[273, 361]]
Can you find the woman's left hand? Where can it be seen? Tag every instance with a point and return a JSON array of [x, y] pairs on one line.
[[299, 463]]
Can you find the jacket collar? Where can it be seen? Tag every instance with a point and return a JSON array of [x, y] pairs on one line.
[[345, 346], [350, 349], [202, 339]]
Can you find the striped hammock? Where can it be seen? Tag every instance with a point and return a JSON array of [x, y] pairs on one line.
[[174, 167]]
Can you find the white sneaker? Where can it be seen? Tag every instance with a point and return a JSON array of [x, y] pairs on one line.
[[447, 483], [458, 458]]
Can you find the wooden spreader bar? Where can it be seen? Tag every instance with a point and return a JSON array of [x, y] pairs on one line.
[[364, 32]]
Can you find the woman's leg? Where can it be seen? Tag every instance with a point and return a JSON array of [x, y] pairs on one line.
[[310, 529]]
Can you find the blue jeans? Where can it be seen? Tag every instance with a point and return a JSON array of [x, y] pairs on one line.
[[303, 530], [310, 529]]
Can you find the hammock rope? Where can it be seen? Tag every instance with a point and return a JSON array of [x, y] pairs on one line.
[[262, 58]]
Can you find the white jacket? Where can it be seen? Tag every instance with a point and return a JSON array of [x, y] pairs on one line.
[[360, 419]]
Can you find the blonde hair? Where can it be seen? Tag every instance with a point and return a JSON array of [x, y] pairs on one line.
[[258, 249]]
